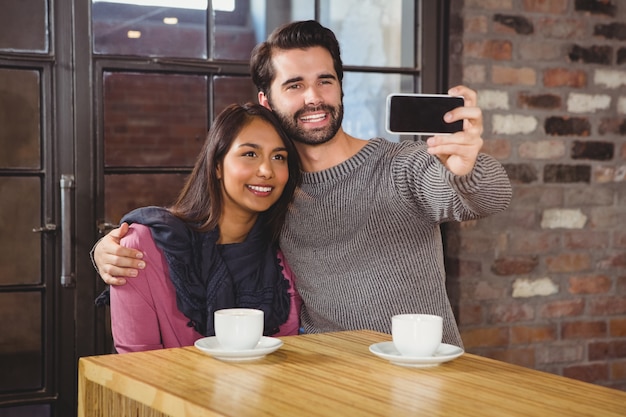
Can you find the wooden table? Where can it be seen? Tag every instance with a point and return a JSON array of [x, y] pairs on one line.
[[331, 374]]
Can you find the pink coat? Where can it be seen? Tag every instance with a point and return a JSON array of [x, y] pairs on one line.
[[144, 315]]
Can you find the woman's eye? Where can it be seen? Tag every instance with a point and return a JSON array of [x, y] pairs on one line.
[[250, 153], [280, 157]]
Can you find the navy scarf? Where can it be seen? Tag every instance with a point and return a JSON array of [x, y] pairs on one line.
[[209, 277]]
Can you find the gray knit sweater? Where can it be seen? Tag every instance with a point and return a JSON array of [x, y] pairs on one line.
[[364, 241]]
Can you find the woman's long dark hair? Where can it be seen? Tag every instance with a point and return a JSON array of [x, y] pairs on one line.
[[200, 202]]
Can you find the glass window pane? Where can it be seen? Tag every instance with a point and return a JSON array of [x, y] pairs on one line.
[[154, 119], [376, 33], [228, 90], [172, 28], [238, 29], [124, 193], [365, 95], [19, 118], [21, 357], [17, 15], [20, 264]]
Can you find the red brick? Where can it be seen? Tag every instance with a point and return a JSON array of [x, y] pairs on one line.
[[592, 150], [488, 291], [533, 197], [545, 6], [489, 4], [613, 125], [475, 24], [522, 357], [600, 351], [608, 218], [602, 306], [498, 148], [594, 54], [539, 101], [583, 329], [485, 337], [619, 236], [618, 370], [514, 76], [490, 49], [470, 313], [536, 242], [562, 28], [563, 308], [514, 265], [476, 243], [521, 335], [555, 353], [597, 7], [561, 77], [588, 373], [567, 126], [463, 267], [621, 285], [618, 327], [568, 262], [542, 51], [499, 28], [590, 284], [585, 239], [615, 260], [509, 313], [523, 218]]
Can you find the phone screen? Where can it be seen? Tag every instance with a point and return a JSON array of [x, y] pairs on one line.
[[421, 114]]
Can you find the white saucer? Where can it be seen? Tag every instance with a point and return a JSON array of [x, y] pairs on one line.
[[444, 353], [211, 346]]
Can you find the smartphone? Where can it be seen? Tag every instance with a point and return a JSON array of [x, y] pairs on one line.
[[421, 114]]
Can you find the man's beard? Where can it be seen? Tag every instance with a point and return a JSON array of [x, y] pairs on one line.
[[315, 136]]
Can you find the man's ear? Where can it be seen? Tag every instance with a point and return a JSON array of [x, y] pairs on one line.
[[263, 101]]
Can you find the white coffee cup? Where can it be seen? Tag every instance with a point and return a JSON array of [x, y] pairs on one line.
[[417, 335], [238, 328]]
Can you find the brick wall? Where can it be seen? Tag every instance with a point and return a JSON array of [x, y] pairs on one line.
[[543, 285]]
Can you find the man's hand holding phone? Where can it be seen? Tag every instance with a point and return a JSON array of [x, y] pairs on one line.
[[458, 152], [453, 121]]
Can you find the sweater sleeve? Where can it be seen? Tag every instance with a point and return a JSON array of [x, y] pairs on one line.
[[486, 189], [437, 193], [134, 319], [292, 325]]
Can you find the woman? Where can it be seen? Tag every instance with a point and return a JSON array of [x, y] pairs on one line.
[[216, 247]]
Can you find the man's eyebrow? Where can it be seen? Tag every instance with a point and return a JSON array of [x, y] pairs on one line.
[[292, 80], [326, 76], [320, 77]]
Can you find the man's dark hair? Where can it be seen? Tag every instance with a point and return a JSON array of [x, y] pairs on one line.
[[295, 35]]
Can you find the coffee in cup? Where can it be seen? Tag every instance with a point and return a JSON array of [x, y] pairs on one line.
[[238, 328], [416, 335]]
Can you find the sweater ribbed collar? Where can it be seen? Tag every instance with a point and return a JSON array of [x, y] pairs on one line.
[[345, 167]]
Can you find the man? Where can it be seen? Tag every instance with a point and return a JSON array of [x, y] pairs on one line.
[[362, 235]]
